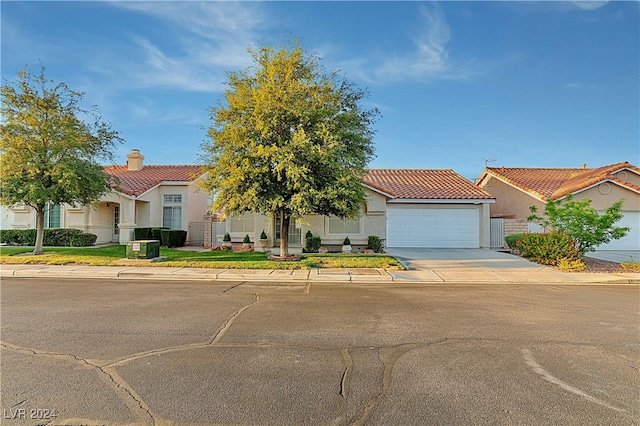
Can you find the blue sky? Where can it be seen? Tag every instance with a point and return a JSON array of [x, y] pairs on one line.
[[529, 84]]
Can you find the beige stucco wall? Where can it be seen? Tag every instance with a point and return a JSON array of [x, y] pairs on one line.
[[511, 203], [372, 222], [605, 194], [628, 176]]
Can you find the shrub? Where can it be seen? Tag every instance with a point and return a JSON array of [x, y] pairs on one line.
[[308, 234], [263, 236], [548, 249], [58, 237], [173, 237], [156, 233], [82, 240], [346, 242], [142, 234], [512, 240], [312, 244], [631, 265], [10, 236], [572, 265], [226, 238], [246, 239], [374, 243]]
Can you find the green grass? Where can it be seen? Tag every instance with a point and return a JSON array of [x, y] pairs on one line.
[[112, 255]]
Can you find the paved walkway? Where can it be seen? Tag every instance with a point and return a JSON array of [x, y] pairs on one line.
[[442, 271]]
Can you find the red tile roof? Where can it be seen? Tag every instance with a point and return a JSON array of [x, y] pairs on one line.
[[552, 184], [424, 184], [136, 182]]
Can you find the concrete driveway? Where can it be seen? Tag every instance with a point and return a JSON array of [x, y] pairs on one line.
[[423, 259], [616, 255]]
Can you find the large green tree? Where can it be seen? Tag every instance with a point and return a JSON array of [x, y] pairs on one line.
[[50, 146], [288, 139]]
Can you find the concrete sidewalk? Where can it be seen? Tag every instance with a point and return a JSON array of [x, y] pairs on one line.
[[499, 274]]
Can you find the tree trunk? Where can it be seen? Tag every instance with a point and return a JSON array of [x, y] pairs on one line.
[[284, 233], [39, 229]]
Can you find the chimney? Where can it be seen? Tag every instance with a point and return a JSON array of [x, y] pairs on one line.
[[584, 166], [134, 160]]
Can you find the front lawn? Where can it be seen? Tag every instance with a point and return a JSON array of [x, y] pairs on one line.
[[112, 255]]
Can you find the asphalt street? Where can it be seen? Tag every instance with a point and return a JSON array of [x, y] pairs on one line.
[[116, 352]]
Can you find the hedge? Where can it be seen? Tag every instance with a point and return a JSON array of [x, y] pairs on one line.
[[548, 249], [512, 240], [142, 233], [156, 233], [52, 237], [173, 238]]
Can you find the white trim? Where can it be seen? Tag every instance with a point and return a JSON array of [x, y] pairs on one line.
[[377, 190], [598, 183], [442, 201], [510, 184]]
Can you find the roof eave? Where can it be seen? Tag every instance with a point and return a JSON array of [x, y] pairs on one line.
[[443, 201]]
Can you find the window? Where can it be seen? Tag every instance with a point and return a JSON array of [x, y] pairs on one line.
[[172, 217], [52, 216], [172, 211], [344, 226], [243, 223], [173, 199], [295, 232]]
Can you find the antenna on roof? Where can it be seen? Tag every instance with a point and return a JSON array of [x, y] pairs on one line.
[[489, 160]]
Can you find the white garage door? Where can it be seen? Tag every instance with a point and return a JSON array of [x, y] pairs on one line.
[[632, 240], [423, 226]]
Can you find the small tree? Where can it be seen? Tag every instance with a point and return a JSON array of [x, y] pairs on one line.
[[290, 140], [48, 153], [582, 222]]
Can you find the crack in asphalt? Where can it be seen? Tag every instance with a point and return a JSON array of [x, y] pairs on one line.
[[134, 401], [383, 387], [346, 356]]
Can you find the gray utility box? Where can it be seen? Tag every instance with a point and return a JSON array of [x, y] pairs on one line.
[[143, 249]]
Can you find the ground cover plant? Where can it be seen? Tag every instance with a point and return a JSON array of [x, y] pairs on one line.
[[113, 255]]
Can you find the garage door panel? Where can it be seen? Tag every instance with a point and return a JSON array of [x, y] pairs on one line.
[[632, 240], [432, 227]]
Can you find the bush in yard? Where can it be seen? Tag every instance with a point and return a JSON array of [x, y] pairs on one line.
[[548, 249], [572, 265], [631, 265], [374, 243], [59, 237], [82, 239], [312, 244], [582, 222], [10, 236], [512, 240], [173, 238], [23, 237], [142, 234], [156, 233]]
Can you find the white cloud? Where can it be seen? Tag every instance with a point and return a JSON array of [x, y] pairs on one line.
[[427, 60], [208, 38]]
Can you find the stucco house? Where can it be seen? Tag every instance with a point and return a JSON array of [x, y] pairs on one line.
[[516, 189], [144, 196], [406, 208]]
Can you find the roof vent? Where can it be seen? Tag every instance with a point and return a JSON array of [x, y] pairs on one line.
[[135, 160]]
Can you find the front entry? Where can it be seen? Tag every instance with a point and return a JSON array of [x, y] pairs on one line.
[[116, 221]]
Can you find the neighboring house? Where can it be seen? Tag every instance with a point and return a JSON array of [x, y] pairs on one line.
[[516, 189], [407, 208], [145, 196]]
